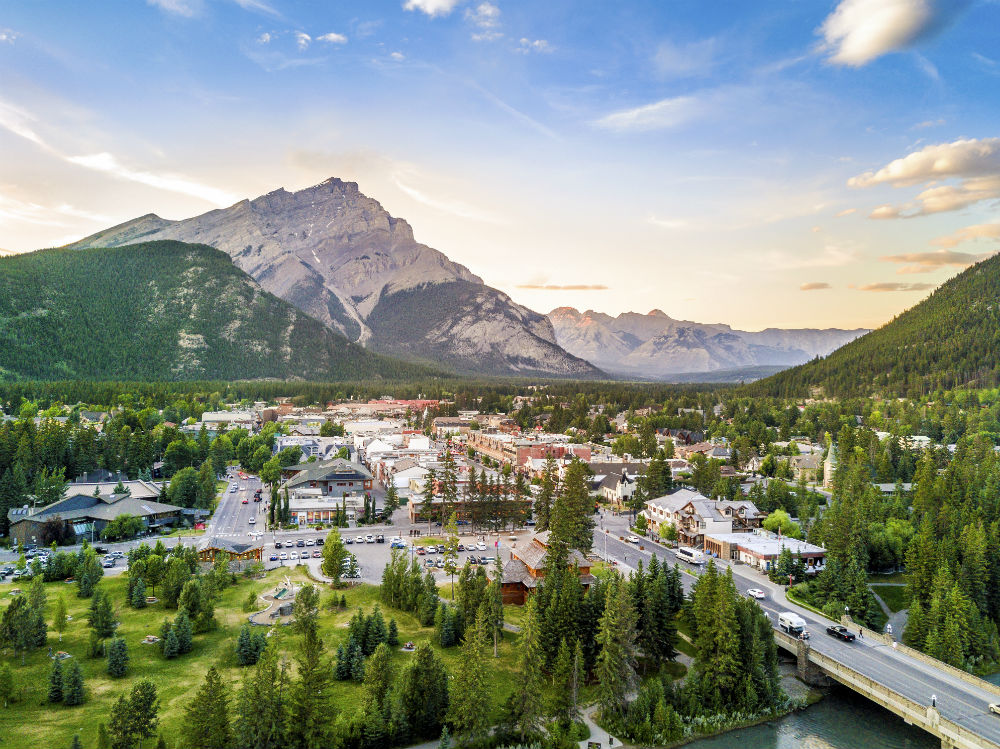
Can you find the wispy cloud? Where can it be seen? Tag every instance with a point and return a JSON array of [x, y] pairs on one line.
[[258, 6], [21, 123], [398, 56], [332, 38], [452, 206], [8, 36], [684, 60], [264, 38], [859, 31], [486, 18], [185, 8], [927, 262], [830, 256], [815, 286], [563, 287], [895, 286], [302, 40], [432, 8], [660, 115], [668, 223], [526, 46], [969, 234], [845, 212]]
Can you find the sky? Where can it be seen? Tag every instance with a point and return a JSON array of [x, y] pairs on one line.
[[780, 163]]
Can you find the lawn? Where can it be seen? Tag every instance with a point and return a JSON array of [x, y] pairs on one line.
[[895, 577], [896, 597], [32, 722]]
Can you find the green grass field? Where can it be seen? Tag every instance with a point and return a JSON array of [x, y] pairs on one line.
[[33, 722], [896, 597]]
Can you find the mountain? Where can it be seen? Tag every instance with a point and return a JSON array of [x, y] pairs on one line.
[[338, 256], [656, 346], [162, 311], [950, 339]]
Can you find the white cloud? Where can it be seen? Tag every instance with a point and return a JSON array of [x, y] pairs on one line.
[[527, 46], [659, 115], [815, 286], [332, 38], [258, 6], [830, 256], [668, 223], [109, 164], [449, 205], [186, 8], [264, 38], [859, 31], [432, 8], [673, 60], [973, 164], [895, 286], [398, 56], [969, 234], [846, 212], [302, 40], [928, 262], [486, 18], [8, 35]]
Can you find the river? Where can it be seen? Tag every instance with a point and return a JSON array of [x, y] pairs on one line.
[[841, 720]]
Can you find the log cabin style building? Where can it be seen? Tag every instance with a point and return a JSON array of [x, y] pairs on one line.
[[526, 569]]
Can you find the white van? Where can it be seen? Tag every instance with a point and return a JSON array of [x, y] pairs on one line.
[[691, 556], [792, 623]]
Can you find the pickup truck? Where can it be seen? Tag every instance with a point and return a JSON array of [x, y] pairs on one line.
[[840, 632]]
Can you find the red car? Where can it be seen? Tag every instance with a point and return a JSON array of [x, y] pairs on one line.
[[245, 501]]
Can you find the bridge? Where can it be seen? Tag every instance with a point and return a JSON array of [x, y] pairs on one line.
[[947, 702]]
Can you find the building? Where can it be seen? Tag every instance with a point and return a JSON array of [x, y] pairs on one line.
[[526, 568], [237, 550], [616, 482], [449, 426], [513, 450], [87, 513], [695, 516], [805, 467], [335, 477], [761, 549]]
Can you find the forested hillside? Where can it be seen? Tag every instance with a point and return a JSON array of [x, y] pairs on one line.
[[162, 311], [950, 339]]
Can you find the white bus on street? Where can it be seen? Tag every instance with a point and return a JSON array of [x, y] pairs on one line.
[[689, 555]]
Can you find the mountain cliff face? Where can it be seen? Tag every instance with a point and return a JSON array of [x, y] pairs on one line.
[[655, 345], [338, 256]]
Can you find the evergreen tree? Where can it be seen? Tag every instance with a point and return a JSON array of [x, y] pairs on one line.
[[182, 630], [309, 716], [615, 671], [73, 689], [138, 600], [59, 623], [470, 710], [118, 658], [56, 682], [261, 704], [422, 695], [101, 616], [170, 646], [527, 698], [206, 722], [392, 638], [378, 677]]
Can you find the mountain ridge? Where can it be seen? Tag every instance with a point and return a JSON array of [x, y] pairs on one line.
[[162, 311], [340, 257], [656, 345]]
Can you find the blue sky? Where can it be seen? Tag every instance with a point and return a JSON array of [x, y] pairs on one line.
[[785, 163]]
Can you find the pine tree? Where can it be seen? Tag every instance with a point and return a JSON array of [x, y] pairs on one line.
[[309, 717], [470, 710], [170, 645], [393, 636], [139, 594], [245, 653], [422, 696], [206, 721], [182, 630], [73, 689], [561, 705], [527, 696], [615, 670], [261, 704], [101, 616], [118, 658], [378, 677], [356, 661], [56, 682]]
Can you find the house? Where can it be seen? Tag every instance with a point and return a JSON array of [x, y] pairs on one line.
[[237, 550], [761, 549], [805, 467], [526, 569], [334, 477], [87, 513], [695, 516], [616, 482]]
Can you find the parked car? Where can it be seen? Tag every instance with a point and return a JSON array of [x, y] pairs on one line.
[[369, 539], [481, 546], [317, 554], [277, 544], [380, 539], [485, 560], [348, 540], [273, 558], [360, 539], [294, 555], [756, 593], [284, 555], [319, 542], [300, 543], [421, 551], [461, 547], [840, 632], [106, 564], [995, 708], [440, 563], [310, 542], [428, 563]]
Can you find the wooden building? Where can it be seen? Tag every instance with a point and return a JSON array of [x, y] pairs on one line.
[[526, 569]]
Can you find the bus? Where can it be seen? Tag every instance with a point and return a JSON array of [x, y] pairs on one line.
[[691, 556]]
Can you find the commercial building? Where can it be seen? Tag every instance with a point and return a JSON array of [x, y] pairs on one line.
[[761, 549], [526, 568], [334, 477], [695, 516]]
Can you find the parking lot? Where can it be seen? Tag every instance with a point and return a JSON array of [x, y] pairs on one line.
[[372, 556]]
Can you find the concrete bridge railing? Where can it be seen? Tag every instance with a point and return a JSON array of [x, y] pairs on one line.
[[952, 735]]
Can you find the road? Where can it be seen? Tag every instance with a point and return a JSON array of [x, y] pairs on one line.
[[235, 509], [957, 700]]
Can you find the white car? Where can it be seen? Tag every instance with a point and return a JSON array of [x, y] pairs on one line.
[[481, 546], [359, 540], [294, 555], [370, 539], [995, 708], [633, 539], [756, 593], [252, 520], [283, 555], [310, 542]]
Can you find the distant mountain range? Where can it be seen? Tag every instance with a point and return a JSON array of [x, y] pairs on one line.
[[950, 339], [163, 311], [656, 346], [338, 256]]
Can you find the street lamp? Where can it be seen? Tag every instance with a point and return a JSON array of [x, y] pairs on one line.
[[847, 611]]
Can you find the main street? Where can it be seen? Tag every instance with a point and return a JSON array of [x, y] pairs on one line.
[[957, 700]]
